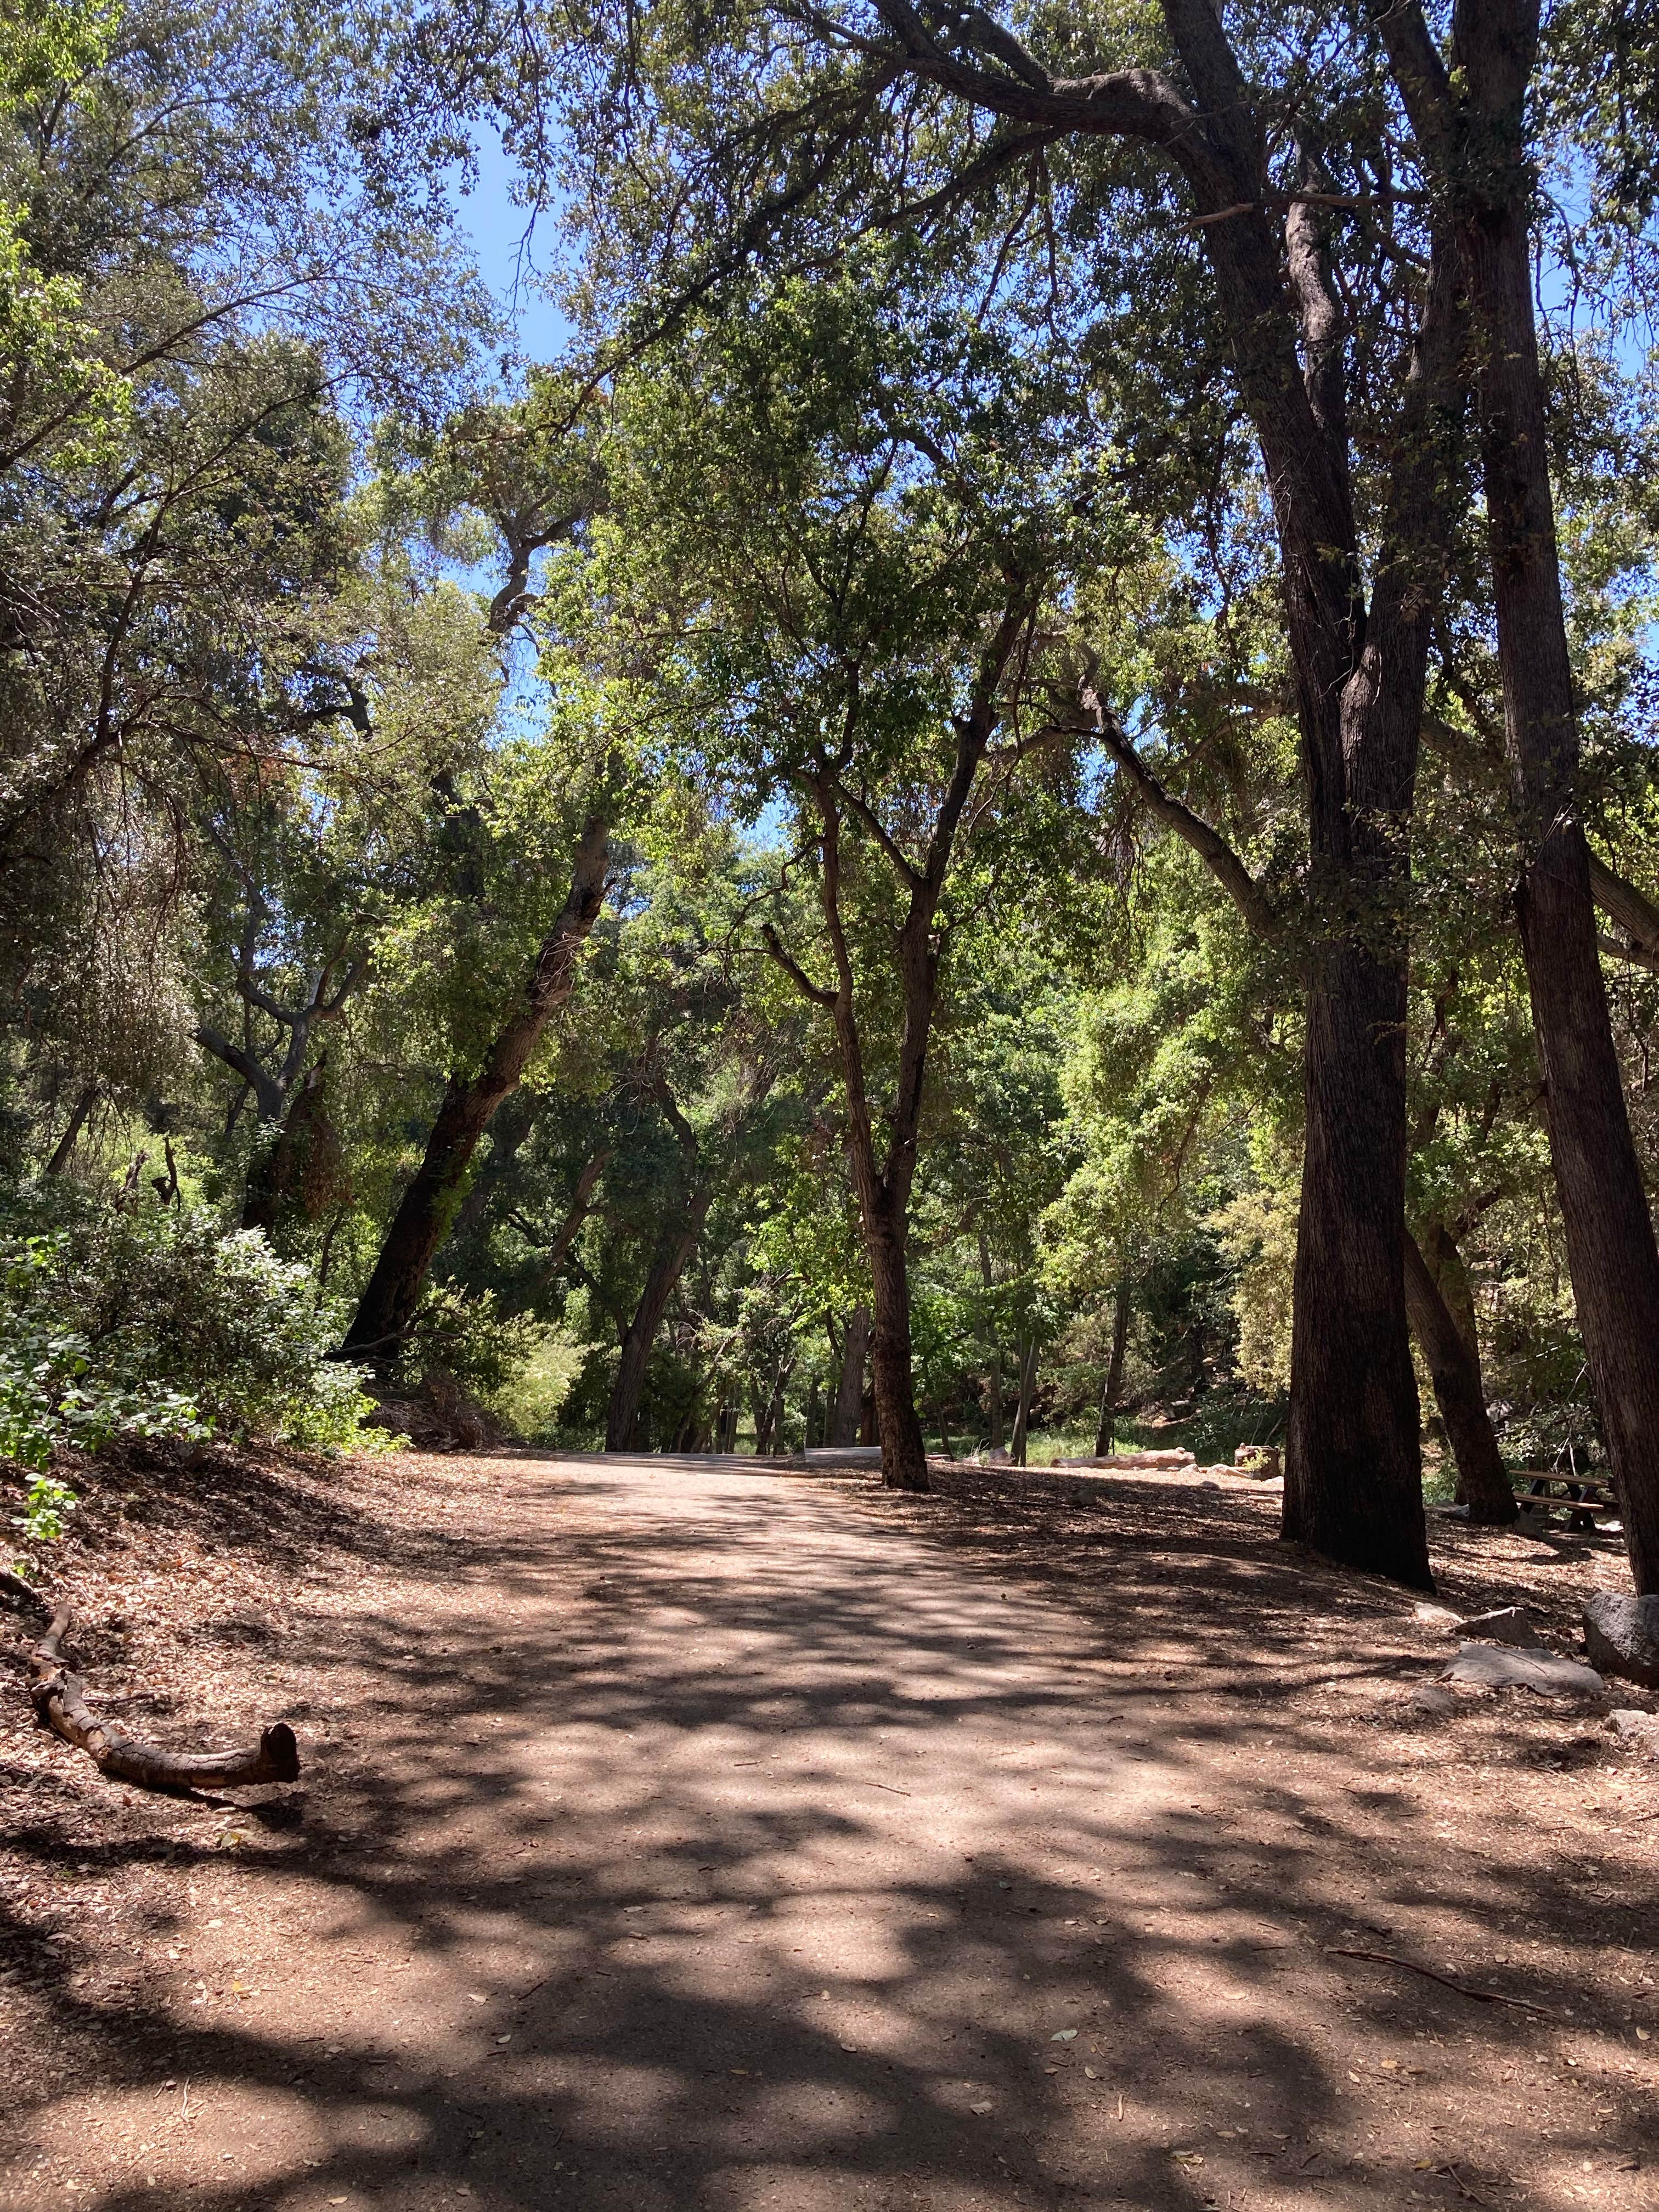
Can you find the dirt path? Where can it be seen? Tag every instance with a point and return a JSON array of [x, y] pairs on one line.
[[680, 1837]]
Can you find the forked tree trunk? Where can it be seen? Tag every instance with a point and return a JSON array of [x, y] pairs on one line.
[[850, 1394], [1611, 1252], [1352, 1473], [1454, 1364], [882, 1184], [669, 1261], [1106, 1427], [429, 1205]]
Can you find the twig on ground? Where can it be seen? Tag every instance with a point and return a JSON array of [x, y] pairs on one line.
[[1481, 1997]]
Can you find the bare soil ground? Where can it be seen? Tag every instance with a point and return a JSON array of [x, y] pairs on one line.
[[695, 1837]]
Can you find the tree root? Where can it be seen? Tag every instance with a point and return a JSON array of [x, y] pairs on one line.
[[59, 1700]]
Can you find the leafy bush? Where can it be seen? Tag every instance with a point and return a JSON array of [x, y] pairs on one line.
[[529, 1402], [47, 1506], [154, 1321], [463, 1339]]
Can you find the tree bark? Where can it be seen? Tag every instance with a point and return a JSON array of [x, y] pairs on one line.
[[64, 1149], [904, 1453], [299, 1168], [669, 1261], [850, 1394], [1028, 1365], [1106, 1427], [1353, 1476], [511, 1125], [1477, 136], [429, 1205], [1454, 1364], [992, 1356]]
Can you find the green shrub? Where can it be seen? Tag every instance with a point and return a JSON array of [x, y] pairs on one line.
[[154, 1321], [463, 1339], [529, 1402]]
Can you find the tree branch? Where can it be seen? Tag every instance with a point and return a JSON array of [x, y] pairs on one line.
[[803, 983], [1212, 847], [268, 1092], [1632, 911], [906, 868]]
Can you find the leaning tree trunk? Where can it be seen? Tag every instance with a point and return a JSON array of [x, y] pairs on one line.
[[1611, 1253], [669, 1261], [63, 1152], [1453, 1365], [507, 1133], [1106, 1429], [849, 1394], [428, 1207]]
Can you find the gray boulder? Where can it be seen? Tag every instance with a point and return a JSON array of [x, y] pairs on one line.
[[1487, 1667], [1621, 1636], [1509, 1625]]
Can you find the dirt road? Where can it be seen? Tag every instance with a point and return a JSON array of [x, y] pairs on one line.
[[680, 1837]]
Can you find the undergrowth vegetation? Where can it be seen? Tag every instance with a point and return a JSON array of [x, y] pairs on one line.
[[123, 1319]]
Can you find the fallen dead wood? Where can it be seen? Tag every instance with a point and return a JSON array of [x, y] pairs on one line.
[[1481, 1997], [58, 1697]]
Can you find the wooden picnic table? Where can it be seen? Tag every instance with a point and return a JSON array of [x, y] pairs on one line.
[[1581, 1496]]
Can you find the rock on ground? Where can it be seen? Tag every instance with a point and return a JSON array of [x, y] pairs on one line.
[[1621, 1636], [1640, 1730], [1511, 1624], [1488, 1667]]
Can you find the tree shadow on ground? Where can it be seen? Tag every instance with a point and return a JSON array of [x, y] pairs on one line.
[[719, 1851]]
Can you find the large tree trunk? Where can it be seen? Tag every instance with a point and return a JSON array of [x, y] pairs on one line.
[[1611, 1252], [1106, 1427], [513, 1121], [669, 1261], [428, 1207], [903, 1454], [1354, 1477], [850, 1394], [1454, 1364]]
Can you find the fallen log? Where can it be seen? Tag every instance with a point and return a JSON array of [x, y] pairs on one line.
[[58, 1697], [1131, 1462]]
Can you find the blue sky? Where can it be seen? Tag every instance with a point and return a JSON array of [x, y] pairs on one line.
[[510, 254]]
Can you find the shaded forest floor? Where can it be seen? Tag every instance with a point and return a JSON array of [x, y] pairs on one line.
[[682, 1836]]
